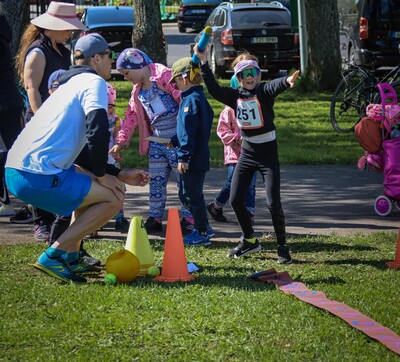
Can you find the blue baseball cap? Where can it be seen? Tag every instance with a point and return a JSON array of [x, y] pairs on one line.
[[54, 78], [92, 44]]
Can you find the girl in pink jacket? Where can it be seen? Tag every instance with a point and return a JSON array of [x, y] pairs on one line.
[[152, 109]]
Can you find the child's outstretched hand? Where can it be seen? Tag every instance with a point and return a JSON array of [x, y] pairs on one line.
[[292, 78], [134, 177], [115, 150], [201, 55]]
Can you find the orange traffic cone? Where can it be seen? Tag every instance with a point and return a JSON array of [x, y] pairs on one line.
[[395, 264], [174, 268], [137, 242]]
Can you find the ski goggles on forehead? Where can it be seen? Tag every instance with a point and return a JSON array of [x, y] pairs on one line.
[[245, 73]]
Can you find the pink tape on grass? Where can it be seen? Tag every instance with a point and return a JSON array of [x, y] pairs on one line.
[[318, 299]]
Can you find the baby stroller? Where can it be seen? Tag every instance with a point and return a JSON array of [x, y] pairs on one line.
[[390, 124]]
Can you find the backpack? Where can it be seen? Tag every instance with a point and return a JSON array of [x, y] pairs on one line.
[[369, 134]]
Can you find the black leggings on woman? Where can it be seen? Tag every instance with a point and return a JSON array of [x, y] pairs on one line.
[[262, 157]]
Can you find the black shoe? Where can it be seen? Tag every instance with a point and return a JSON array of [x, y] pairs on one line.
[[152, 224], [284, 255], [89, 260], [122, 225], [216, 214], [25, 215], [244, 247], [186, 226]]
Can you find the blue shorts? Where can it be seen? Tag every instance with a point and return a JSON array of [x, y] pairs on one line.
[[60, 194]]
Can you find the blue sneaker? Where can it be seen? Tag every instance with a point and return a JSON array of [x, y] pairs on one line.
[[210, 232], [196, 239], [57, 268]]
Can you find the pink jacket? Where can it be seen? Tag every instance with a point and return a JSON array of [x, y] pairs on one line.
[[229, 133], [136, 116]]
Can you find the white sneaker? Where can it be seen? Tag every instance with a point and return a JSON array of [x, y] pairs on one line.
[[6, 210]]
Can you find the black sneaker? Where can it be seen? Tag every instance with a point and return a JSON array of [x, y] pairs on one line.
[[88, 259], [244, 247], [216, 214], [186, 226], [152, 224], [122, 225], [25, 215], [284, 255]]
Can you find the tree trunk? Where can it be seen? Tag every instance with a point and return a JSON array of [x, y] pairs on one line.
[[147, 33], [17, 14], [324, 60]]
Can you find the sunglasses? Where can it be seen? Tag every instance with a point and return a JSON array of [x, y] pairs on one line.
[[245, 73], [110, 54]]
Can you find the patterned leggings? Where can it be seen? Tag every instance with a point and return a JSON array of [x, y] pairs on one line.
[[161, 161]]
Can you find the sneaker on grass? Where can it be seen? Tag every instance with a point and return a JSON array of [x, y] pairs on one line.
[[152, 224], [41, 231], [245, 247], [197, 239], [216, 214], [25, 215], [6, 210], [122, 225], [284, 255], [88, 259], [81, 267], [186, 226], [57, 268]]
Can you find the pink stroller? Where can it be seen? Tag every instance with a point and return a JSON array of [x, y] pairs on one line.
[[391, 151]]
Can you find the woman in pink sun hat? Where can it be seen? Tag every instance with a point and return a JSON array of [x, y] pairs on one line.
[[41, 53]]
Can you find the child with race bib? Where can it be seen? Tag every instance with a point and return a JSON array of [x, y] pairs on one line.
[[253, 103]]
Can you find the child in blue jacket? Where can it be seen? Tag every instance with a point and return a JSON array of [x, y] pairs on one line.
[[195, 118]]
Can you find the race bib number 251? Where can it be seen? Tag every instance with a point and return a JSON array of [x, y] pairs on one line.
[[249, 115]]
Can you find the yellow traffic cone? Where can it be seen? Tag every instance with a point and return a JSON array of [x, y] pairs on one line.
[[137, 242]]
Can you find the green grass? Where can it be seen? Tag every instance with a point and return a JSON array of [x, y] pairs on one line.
[[304, 131], [221, 316]]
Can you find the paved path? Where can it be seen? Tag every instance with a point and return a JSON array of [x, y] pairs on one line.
[[316, 199]]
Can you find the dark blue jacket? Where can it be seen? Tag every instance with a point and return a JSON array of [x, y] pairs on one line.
[[193, 129]]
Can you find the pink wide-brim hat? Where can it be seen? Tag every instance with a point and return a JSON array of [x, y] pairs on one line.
[[59, 16]]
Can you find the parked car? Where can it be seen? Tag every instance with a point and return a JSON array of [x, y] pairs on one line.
[[369, 32], [114, 23], [194, 13], [262, 29]]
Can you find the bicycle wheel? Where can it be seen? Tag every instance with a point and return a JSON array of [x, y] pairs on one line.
[[349, 101]]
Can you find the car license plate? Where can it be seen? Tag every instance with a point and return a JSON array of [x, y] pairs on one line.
[[199, 11], [395, 34], [264, 39]]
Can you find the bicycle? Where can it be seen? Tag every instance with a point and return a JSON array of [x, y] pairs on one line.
[[354, 92]]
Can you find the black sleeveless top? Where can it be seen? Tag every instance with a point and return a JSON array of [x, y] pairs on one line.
[[54, 61]]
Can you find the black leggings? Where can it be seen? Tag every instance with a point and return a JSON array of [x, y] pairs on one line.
[[261, 157]]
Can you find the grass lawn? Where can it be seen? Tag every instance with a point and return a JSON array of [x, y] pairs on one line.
[[304, 131], [221, 316]]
